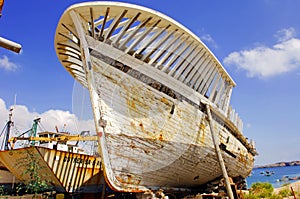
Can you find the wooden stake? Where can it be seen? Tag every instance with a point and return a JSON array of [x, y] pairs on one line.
[[218, 153], [293, 193]]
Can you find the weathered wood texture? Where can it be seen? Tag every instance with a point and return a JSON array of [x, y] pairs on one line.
[[67, 172], [152, 78], [152, 38]]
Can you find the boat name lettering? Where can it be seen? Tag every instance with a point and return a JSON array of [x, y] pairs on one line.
[[80, 160]]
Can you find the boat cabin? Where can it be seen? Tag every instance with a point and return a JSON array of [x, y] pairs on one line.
[[52, 141]]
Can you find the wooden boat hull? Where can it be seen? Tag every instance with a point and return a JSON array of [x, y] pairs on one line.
[[150, 80], [8, 181], [155, 142], [63, 171]]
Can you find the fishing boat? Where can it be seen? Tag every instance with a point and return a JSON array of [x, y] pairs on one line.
[[8, 180], [62, 171], [160, 98], [58, 161]]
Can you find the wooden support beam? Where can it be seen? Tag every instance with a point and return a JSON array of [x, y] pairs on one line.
[[218, 153], [10, 45]]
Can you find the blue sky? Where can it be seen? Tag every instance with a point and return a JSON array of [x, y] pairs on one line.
[[257, 41]]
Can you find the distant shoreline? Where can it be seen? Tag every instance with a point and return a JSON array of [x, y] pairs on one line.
[[280, 164]]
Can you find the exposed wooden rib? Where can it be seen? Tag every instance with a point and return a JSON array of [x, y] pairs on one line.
[[67, 61], [156, 47], [69, 47], [181, 65], [182, 55], [204, 76], [227, 99], [205, 80], [223, 95], [92, 22], [190, 67], [214, 87], [104, 22], [120, 26], [168, 49], [71, 31], [142, 36], [209, 81], [220, 93], [135, 30], [150, 42], [69, 38], [178, 50], [164, 46], [98, 22], [199, 75], [114, 24], [196, 67], [125, 28], [67, 53]]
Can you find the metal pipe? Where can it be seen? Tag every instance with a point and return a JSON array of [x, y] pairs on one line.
[[10, 45], [219, 155]]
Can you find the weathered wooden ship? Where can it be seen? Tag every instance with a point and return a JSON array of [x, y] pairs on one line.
[[62, 171], [63, 166], [159, 96]]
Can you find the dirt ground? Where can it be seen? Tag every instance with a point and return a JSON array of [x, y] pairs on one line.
[[294, 185]]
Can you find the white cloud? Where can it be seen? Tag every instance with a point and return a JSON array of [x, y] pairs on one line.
[[207, 38], [263, 61], [7, 65], [285, 34], [23, 120]]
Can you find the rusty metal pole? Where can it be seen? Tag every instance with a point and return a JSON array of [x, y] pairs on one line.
[[219, 155], [10, 45], [293, 193]]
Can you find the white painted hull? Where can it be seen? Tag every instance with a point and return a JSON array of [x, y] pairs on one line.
[[149, 147], [150, 80]]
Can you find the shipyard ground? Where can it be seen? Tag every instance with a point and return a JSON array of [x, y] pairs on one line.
[[53, 195], [238, 194], [221, 193], [214, 189]]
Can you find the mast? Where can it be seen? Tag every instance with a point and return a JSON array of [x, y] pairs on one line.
[[34, 130], [9, 124]]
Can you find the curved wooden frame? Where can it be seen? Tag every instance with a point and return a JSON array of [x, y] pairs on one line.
[[153, 38], [153, 46]]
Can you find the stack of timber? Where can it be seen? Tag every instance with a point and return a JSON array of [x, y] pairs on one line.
[[159, 96]]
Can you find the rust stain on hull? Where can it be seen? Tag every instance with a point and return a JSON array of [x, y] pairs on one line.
[[152, 97], [156, 141]]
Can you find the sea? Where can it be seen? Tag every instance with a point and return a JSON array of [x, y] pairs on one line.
[[277, 176]]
